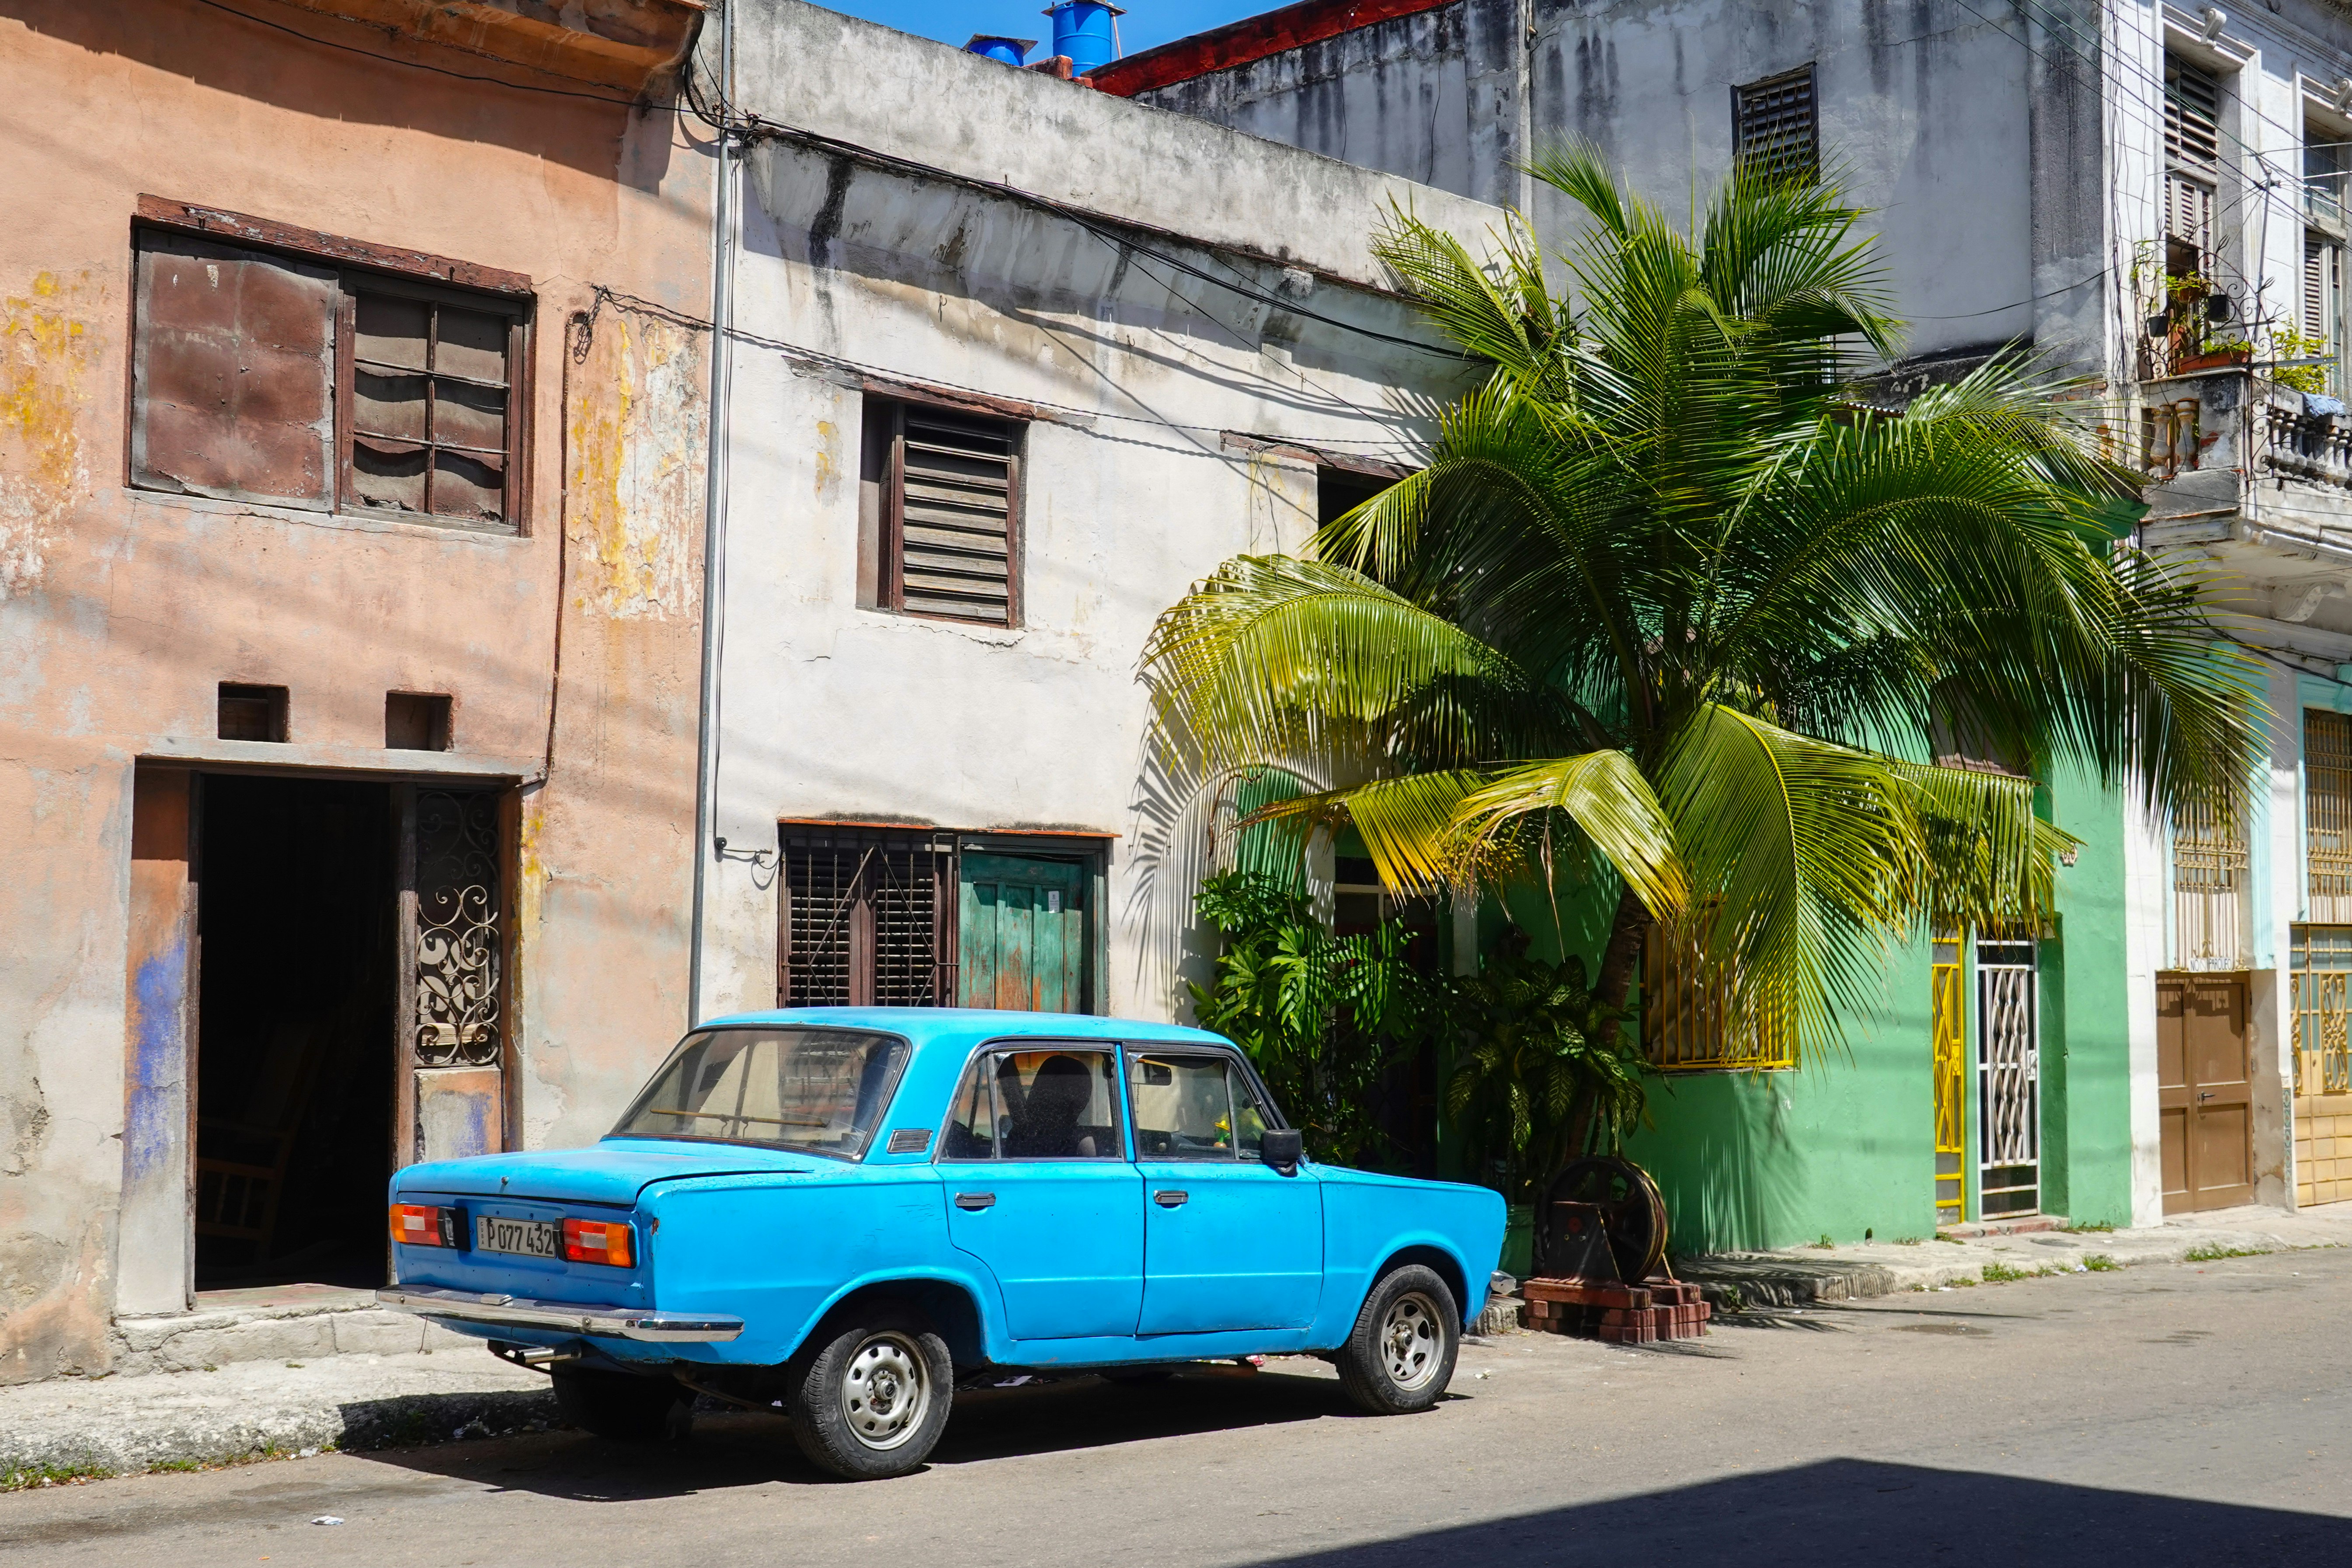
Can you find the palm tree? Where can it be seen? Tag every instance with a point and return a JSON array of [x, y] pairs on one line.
[[1677, 605]]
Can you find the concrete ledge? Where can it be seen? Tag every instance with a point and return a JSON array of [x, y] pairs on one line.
[[203, 1341], [1799, 1277], [122, 1425]]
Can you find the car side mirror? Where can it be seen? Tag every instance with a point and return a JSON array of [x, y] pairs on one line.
[[1282, 1147]]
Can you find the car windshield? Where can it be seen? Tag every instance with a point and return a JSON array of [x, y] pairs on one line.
[[819, 1089]]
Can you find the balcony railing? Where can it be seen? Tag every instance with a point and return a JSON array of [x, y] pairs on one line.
[[2233, 419]]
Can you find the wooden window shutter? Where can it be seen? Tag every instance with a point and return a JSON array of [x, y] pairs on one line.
[[233, 373], [2192, 116], [955, 523], [2323, 265]]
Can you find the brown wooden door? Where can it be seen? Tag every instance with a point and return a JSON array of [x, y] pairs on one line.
[[2204, 1091]]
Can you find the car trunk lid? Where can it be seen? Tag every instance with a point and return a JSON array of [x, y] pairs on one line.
[[613, 1172]]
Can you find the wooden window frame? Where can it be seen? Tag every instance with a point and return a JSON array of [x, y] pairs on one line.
[[948, 846], [364, 267], [888, 588]]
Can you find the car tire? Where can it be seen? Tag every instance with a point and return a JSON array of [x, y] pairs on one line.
[[1400, 1356], [873, 1398], [621, 1407]]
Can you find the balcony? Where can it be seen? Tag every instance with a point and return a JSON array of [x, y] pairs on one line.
[[621, 43]]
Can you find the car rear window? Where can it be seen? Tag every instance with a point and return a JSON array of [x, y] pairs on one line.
[[823, 1090]]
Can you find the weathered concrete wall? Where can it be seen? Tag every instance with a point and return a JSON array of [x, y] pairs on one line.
[[1923, 114], [120, 610], [1130, 491]]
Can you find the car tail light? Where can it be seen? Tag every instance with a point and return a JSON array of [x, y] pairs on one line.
[[594, 1241], [422, 1224]]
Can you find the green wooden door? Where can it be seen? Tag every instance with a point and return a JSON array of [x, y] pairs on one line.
[[1022, 934]]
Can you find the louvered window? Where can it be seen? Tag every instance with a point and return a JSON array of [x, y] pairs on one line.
[[2192, 151], [1777, 126], [867, 919], [946, 499], [2322, 286]]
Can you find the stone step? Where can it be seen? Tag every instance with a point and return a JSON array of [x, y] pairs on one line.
[[298, 1323]]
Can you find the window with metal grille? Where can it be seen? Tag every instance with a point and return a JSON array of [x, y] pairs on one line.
[[2209, 888], [2327, 815], [867, 919], [1686, 1016], [1775, 126], [295, 381], [943, 491]]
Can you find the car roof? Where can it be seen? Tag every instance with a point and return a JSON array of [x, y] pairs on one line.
[[970, 1025]]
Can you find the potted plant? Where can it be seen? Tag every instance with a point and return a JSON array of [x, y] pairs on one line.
[[2216, 353]]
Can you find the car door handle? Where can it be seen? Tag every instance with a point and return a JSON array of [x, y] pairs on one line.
[[975, 1200], [1170, 1198]]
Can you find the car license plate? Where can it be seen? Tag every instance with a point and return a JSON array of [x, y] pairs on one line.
[[531, 1237]]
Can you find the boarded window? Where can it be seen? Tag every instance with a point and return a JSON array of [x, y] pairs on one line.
[[1775, 126], [944, 493], [267, 378], [2327, 819]]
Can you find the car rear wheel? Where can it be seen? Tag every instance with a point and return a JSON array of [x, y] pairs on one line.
[[1400, 1355], [873, 1400], [621, 1407]]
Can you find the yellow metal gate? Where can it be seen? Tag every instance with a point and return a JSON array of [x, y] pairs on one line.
[[2323, 1063], [1948, 1033]]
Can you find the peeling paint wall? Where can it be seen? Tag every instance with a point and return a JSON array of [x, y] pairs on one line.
[[123, 609]]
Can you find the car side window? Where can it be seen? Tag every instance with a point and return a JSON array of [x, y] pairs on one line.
[[1049, 1104], [1249, 1116], [1183, 1107], [971, 1118]]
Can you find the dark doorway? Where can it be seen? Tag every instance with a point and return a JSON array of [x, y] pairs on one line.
[[294, 1072]]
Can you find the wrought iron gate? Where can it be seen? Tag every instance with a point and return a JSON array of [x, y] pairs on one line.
[[2008, 1078], [453, 971]]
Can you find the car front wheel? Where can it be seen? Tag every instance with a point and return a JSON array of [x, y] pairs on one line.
[[618, 1405], [873, 1399], [1400, 1355]]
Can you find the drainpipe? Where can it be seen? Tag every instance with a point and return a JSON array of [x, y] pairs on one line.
[[714, 512]]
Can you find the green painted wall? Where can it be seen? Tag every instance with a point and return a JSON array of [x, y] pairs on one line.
[[1844, 1146]]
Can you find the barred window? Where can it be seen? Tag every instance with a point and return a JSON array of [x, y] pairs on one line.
[[1686, 1016], [861, 922], [2210, 889], [2327, 813], [1775, 126]]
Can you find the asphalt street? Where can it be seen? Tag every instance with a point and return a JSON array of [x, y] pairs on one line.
[[2172, 1414]]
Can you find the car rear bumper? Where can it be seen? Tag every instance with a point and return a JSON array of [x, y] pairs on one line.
[[568, 1317]]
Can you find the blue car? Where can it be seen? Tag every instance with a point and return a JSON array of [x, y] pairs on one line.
[[842, 1212]]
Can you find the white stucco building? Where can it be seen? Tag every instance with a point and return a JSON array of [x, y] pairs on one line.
[[1006, 378]]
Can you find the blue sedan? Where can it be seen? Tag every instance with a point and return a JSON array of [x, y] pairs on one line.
[[844, 1211]]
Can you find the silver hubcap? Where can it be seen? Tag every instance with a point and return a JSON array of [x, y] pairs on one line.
[[885, 1393], [1412, 1337]]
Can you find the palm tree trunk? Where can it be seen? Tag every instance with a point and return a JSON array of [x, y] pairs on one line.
[[1616, 981]]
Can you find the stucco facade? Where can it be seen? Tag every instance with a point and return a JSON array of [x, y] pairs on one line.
[[1181, 329], [545, 658]]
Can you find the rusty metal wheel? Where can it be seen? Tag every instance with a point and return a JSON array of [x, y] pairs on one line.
[[1631, 1211]]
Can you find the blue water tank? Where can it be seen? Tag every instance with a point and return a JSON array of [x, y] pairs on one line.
[[997, 47], [1082, 30]]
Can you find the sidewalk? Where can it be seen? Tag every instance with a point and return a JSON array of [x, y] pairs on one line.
[[1804, 1274], [67, 1428]]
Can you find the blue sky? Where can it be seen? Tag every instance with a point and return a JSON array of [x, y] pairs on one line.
[[1147, 22]]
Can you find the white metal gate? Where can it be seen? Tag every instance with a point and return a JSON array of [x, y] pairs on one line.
[[2008, 1078]]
